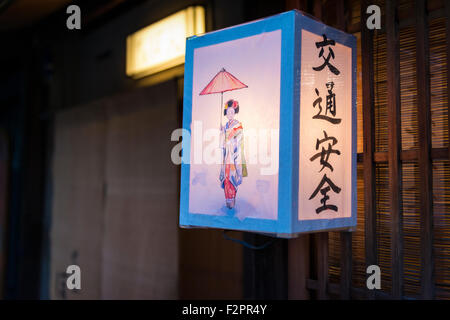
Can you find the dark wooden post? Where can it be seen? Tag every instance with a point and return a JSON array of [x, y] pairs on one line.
[[346, 265], [317, 9], [424, 118], [394, 144], [368, 141], [265, 270], [321, 248], [298, 268]]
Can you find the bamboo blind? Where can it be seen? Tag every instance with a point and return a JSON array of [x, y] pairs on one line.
[[441, 209], [408, 87], [411, 229], [383, 225], [410, 169], [380, 91], [438, 84], [358, 247]]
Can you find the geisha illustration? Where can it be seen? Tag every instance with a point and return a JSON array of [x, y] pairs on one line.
[[233, 167]]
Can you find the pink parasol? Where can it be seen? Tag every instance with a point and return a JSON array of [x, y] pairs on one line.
[[223, 81]]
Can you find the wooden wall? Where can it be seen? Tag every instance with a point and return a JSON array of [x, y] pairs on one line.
[[403, 159]]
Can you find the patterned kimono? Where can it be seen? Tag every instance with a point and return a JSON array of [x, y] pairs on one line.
[[233, 162]]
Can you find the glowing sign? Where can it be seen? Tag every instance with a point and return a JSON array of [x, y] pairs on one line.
[[162, 44]]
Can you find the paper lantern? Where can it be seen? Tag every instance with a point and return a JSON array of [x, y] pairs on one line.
[[270, 128]]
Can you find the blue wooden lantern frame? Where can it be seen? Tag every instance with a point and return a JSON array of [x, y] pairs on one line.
[[291, 24]]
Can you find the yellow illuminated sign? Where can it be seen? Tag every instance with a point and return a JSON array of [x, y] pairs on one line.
[[162, 45]]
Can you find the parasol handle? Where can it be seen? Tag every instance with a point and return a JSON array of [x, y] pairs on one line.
[[221, 107]]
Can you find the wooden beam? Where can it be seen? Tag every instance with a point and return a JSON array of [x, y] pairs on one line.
[[440, 153], [340, 15], [409, 155], [368, 142], [297, 4], [425, 174], [394, 145], [346, 265]]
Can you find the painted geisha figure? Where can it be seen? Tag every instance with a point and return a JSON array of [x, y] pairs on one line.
[[233, 167]]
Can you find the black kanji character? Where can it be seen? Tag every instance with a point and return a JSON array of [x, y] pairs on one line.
[[325, 117], [331, 99], [321, 44], [325, 153], [324, 191]]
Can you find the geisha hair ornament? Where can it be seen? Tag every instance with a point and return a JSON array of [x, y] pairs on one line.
[[248, 245], [233, 103]]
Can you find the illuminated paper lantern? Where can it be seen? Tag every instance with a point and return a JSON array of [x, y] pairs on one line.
[[269, 119]]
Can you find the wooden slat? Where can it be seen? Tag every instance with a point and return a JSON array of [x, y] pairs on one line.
[[298, 267], [346, 265], [354, 28], [369, 141], [394, 143], [340, 15], [408, 155], [381, 157], [439, 154], [317, 9], [321, 245], [425, 174]]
